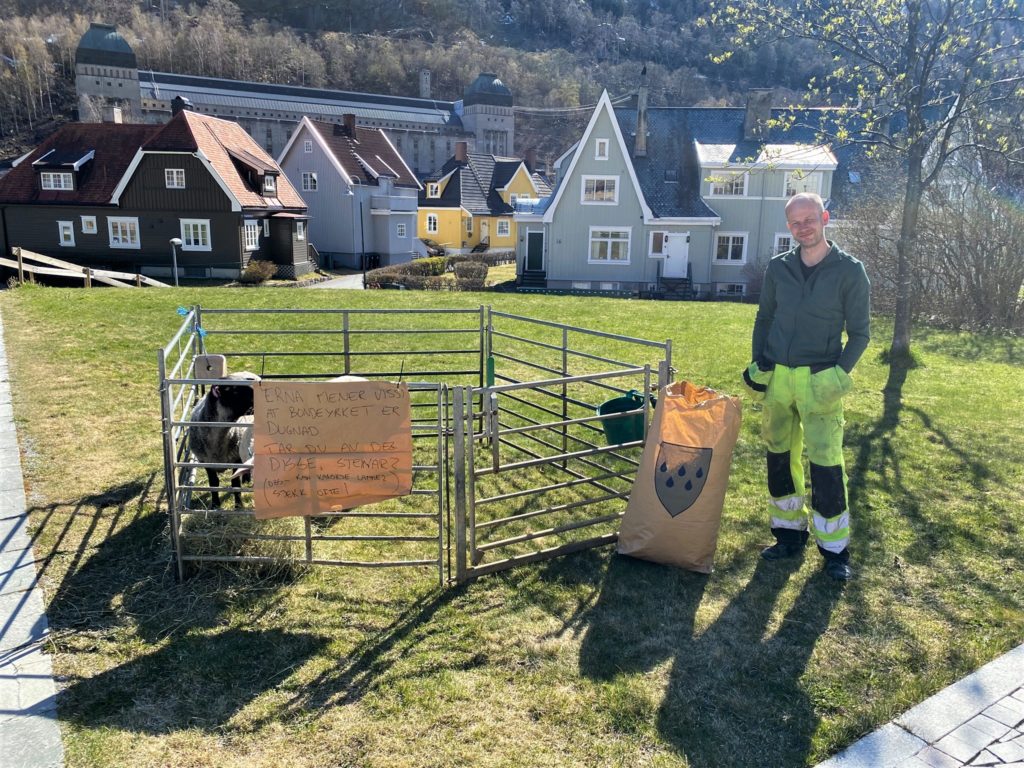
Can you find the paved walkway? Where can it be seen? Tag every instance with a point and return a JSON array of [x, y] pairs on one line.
[[29, 734]]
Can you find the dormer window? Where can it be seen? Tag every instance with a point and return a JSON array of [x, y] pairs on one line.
[[270, 185], [433, 189], [56, 180]]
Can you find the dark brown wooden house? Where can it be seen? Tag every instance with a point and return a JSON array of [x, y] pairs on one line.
[[115, 196]]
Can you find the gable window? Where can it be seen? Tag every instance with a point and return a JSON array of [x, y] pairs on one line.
[[433, 189], [309, 181], [503, 228], [432, 223], [195, 235], [659, 242], [783, 242], [123, 231], [269, 184], [601, 149], [729, 184], [600, 190], [609, 245], [88, 225], [252, 235], [56, 180], [174, 178], [66, 232], [307, 146], [300, 230], [732, 248], [513, 198], [802, 181], [400, 230]]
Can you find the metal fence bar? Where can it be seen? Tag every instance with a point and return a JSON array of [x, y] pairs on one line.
[[494, 523], [554, 530], [585, 331]]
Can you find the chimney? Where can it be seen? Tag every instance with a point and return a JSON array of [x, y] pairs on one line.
[[112, 114], [424, 83], [759, 112], [461, 152], [349, 122], [531, 159], [640, 147], [179, 104]]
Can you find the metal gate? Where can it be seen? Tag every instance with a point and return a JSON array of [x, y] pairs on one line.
[[511, 461]]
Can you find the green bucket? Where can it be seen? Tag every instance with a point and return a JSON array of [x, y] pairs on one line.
[[626, 429]]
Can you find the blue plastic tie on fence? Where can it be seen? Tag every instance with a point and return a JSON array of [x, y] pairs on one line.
[[183, 311], [201, 332]]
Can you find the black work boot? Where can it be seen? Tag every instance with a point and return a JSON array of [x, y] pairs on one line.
[[782, 550], [838, 570]]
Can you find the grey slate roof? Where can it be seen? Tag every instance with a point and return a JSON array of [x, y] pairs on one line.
[[474, 184]]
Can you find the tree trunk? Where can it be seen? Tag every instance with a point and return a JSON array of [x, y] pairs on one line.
[[906, 250]]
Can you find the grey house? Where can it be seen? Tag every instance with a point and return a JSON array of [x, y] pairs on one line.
[[669, 200], [361, 194]]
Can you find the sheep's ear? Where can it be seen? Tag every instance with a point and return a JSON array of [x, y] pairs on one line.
[[215, 391]]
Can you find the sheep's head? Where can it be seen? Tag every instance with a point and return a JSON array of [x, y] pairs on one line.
[[237, 399]]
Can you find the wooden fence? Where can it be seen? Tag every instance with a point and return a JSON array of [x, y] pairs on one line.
[[29, 262]]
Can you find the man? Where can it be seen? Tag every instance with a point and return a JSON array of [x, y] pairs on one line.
[[802, 370]]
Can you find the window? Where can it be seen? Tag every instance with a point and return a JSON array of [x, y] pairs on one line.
[[513, 198], [66, 230], [309, 181], [433, 189], [252, 235], [503, 228], [469, 225], [432, 223], [88, 225], [124, 232], [732, 248], [174, 178], [400, 230], [600, 190], [195, 235], [658, 243], [300, 230], [729, 184], [802, 181], [601, 149], [783, 242], [269, 184], [53, 180], [731, 289], [609, 246], [266, 227]]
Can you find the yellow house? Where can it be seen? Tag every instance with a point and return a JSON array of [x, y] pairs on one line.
[[471, 201]]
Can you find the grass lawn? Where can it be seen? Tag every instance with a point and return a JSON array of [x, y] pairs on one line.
[[590, 660]]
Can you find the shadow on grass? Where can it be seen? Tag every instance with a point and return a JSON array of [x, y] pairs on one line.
[[728, 682]]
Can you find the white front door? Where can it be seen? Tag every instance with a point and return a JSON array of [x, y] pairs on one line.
[[677, 254], [485, 231]]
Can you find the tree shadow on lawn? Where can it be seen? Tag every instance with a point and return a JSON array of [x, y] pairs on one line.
[[117, 592], [734, 696]]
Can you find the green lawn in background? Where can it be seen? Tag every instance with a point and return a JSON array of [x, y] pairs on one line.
[[590, 660]]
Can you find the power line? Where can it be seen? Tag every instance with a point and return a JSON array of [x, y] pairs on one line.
[[569, 110]]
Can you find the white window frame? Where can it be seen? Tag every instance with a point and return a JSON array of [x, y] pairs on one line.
[[89, 225], [601, 149], [174, 178], [724, 289], [627, 231], [433, 189], [269, 185], [469, 225], [400, 230], [659, 253], [744, 236], [513, 198], [584, 200], [788, 190], [432, 223], [266, 227], [506, 225], [66, 234], [779, 237], [57, 180], [300, 230], [307, 146], [309, 181], [724, 184], [192, 227], [125, 225], [251, 235]]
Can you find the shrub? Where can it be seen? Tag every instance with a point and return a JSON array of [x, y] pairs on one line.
[[471, 270], [257, 271], [428, 267]]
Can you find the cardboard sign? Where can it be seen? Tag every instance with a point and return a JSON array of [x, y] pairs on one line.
[[323, 446]]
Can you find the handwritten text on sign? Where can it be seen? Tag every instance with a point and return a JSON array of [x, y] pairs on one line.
[[322, 446]]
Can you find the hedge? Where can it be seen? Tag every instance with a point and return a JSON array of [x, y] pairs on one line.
[[426, 274]]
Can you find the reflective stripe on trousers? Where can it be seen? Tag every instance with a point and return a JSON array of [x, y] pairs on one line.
[[802, 409]]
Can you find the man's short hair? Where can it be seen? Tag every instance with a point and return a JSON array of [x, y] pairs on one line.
[[806, 197]]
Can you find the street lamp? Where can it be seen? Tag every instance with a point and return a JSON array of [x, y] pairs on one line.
[[175, 244]]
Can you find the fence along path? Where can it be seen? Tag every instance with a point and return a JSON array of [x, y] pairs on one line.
[[59, 268]]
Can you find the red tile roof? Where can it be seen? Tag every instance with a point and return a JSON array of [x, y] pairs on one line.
[[365, 154]]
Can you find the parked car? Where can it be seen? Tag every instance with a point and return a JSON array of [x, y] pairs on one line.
[[434, 248]]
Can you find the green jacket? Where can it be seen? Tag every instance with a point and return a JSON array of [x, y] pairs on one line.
[[801, 323]]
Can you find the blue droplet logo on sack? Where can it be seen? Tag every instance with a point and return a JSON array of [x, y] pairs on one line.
[[680, 475]]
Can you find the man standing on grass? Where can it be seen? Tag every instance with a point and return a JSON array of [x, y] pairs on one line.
[[802, 370]]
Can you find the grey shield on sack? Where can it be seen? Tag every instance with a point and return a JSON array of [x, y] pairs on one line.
[[680, 476]]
